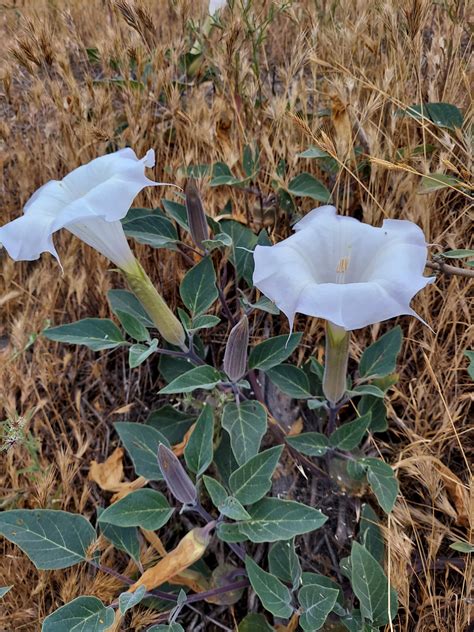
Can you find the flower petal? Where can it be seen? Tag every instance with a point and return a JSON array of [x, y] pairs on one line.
[[25, 238]]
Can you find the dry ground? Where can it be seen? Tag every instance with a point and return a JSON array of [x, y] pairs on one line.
[[60, 109]]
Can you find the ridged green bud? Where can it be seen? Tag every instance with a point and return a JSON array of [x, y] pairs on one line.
[[335, 363], [155, 305], [196, 217], [235, 355]]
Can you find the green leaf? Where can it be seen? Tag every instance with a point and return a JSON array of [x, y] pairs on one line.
[[462, 547], [4, 590], [232, 508], [436, 182], [313, 152], [144, 508], [216, 491], [284, 563], [221, 240], [126, 302], [306, 185], [128, 600], [198, 287], [205, 321], [380, 358], [317, 602], [349, 435], [366, 389], [252, 480], [205, 377], [263, 303], [458, 254], [290, 380], [221, 174], [161, 627], [246, 424], [137, 354], [376, 407], [250, 161], [134, 328], [95, 333], [273, 351], [243, 241], [382, 481], [224, 458], [371, 587], [51, 539], [123, 538], [141, 442], [275, 596], [150, 227], [470, 369], [255, 623], [445, 115], [84, 614], [273, 519], [309, 443], [171, 423], [370, 534], [199, 449], [177, 212]]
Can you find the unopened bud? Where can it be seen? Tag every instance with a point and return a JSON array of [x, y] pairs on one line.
[[179, 483], [155, 305], [235, 356], [196, 217]]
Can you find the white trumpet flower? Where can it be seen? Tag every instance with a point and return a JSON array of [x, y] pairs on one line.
[[349, 273], [215, 5], [89, 202]]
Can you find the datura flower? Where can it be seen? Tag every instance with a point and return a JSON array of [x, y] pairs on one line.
[[349, 273], [90, 202], [216, 5]]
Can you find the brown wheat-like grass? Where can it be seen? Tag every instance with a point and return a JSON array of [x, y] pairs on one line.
[[60, 108]]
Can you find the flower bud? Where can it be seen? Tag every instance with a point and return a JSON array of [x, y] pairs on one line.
[[155, 306], [176, 478], [235, 356], [196, 217]]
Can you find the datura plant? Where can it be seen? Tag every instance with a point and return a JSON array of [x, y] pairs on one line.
[[239, 410]]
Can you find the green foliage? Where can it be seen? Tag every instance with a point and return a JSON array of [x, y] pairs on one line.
[[371, 587], [198, 287], [290, 380], [133, 326], [150, 227], [205, 377], [246, 424], [349, 435], [273, 351], [96, 333], [436, 182], [199, 449], [4, 590], [84, 614], [275, 596], [125, 302], [123, 538], [382, 481], [284, 563], [380, 358], [462, 547], [137, 354], [306, 185], [470, 368], [243, 241], [310, 443], [172, 627], [141, 442], [273, 519], [255, 623], [51, 539], [251, 481], [444, 115], [317, 601], [128, 600], [370, 534], [170, 423], [376, 408], [144, 508]]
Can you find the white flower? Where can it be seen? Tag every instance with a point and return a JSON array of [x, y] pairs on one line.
[[89, 202], [349, 273], [215, 5]]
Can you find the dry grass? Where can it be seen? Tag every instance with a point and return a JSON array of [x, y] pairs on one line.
[[363, 60]]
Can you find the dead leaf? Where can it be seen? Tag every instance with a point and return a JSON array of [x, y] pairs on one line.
[[296, 427], [129, 486], [155, 541], [291, 626], [192, 579], [191, 548], [178, 449], [108, 475]]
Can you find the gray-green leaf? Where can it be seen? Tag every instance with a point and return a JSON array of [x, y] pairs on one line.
[[84, 614], [199, 449], [51, 539], [275, 596], [144, 508], [309, 443], [273, 351], [349, 435], [290, 380], [306, 185], [128, 600], [198, 287], [206, 377], [380, 358], [246, 424], [251, 481], [141, 442], [284, 563], [317, 602], [95, 333]]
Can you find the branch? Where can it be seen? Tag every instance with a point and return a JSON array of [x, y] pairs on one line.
[[445, 268]]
